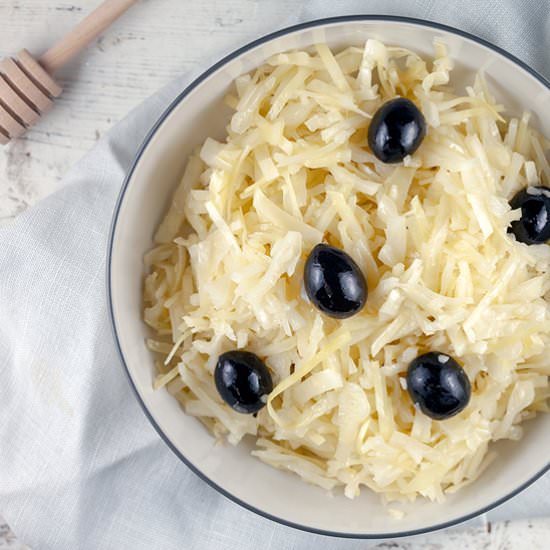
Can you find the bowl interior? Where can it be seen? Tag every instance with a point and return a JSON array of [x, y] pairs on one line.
[[201, 114]]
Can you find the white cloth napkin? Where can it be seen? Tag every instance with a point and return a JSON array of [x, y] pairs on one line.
[[80, 466]]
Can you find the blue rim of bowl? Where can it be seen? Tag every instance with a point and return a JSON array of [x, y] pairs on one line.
[[152, 132]]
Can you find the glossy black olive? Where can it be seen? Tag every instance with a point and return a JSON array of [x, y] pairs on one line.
[[243, 381], [534, 225], [396, 130], [334, 283], [438, 384]]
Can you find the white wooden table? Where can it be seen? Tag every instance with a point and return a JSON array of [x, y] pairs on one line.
[[156, 41]]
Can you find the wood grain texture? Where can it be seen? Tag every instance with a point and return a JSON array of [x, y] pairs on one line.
[[155, 42], [94, 24], [532, 535]]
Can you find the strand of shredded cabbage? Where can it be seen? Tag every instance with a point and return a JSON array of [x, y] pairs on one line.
[[430, 235]]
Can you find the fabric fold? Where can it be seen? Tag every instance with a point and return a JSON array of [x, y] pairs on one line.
[[80, 465]]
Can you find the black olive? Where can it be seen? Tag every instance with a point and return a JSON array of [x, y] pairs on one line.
[[243, 381], [534, 225], [438, 384], [396, 130], [334, 283]]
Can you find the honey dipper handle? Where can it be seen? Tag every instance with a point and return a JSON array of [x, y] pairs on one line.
[[84, 33]]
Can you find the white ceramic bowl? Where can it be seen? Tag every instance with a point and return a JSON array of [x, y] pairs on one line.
[[199, 112]]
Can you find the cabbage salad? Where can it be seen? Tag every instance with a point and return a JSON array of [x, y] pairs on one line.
[[431, 236]]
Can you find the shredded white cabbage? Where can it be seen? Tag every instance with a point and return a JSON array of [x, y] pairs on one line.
[[430, 235]]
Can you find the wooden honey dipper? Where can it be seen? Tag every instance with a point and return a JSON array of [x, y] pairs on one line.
[[27, 86]]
